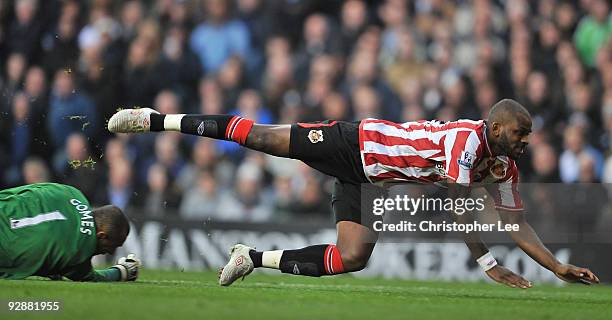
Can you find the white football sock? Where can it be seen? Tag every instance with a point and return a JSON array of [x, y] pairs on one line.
[[172, 122], [271, 259]]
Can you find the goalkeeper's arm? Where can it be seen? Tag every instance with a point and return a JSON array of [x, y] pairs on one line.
[[126, 269], [106, 275]]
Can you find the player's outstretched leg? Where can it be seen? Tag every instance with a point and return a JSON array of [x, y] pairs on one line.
[[355, 242], [271, 139], [351, 253]]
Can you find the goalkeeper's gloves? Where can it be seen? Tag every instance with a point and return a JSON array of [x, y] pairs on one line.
[[128, 267]]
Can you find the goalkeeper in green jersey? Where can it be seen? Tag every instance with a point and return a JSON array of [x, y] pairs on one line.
[[50, 230]]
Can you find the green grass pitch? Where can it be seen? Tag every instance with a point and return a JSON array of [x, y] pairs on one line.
[[195, 295]]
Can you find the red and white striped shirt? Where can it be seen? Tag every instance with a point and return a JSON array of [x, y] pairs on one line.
[[431, 152]]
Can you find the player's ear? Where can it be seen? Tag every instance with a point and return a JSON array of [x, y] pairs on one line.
[[101, 235], [496, 129]]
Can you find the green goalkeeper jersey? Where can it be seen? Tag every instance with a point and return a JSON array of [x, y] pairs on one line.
[[46, 229]]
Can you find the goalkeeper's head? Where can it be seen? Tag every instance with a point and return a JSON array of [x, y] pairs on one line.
[[112, 228]]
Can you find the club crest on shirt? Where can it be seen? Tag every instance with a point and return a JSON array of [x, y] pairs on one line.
[[498, 169], [466, 160], [439, 169], [315, 136]]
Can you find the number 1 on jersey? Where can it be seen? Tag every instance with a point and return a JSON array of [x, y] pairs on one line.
[[43, 217]]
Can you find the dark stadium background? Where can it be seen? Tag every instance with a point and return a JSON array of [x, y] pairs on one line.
[[66, 66]]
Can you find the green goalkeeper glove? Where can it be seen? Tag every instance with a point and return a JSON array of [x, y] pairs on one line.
[[128, 266]]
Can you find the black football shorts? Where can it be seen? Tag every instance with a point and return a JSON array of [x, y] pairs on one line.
[[332, 147]]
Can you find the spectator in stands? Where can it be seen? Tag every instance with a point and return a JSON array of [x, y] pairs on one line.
[[75, 166], [168, 102], [205, 157], [97, 72], [35, 87], [142, 77], [231, 80], [544, 161], [70, 110], [25, 138], [366, 103], [247, 201], [405, 61], [35, 170], [119, 191], [179, 65], [178, 13], [161, 197], [486, 96], [335, 106], [363, 70], [210, 97], [167, 155], [202, 200], [16, 65], [132, 14], [587, 169], [354, 20], [539, 101], [219, 36], [60, 45], [310, 201], [574, 145], [24, 32], [318, 39], [278, 76], [260, 21], [394, 16], [593, 31]]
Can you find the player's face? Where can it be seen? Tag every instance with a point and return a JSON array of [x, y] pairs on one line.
[[515, 137], [108, 245]]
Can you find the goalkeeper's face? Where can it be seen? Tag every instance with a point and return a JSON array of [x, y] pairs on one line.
[[112, 228], [108, 242]]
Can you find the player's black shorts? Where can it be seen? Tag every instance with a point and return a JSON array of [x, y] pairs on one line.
[[332, 147]]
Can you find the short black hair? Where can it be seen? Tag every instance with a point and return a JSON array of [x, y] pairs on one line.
[[507, 109], [113, 221]]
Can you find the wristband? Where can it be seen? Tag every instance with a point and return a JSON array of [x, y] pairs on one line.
[[123, 270], [487, 261]]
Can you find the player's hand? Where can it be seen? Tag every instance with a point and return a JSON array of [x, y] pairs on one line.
[[571, 273], [504, 275], [128, 266]]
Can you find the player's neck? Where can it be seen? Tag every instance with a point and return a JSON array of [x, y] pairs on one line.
[[490, 144]]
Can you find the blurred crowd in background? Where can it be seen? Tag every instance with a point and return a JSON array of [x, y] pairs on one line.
[[68, 65]]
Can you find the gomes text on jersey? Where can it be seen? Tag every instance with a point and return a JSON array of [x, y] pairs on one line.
[[87, 221]]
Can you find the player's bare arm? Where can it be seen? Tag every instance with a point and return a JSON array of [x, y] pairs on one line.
[[527, 239], [509, 135], [478, 248]]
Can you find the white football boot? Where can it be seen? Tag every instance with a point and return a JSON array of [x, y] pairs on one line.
[[240, 265], [131, 121]]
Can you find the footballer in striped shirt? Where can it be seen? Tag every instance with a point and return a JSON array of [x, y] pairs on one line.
[[457, 155]]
